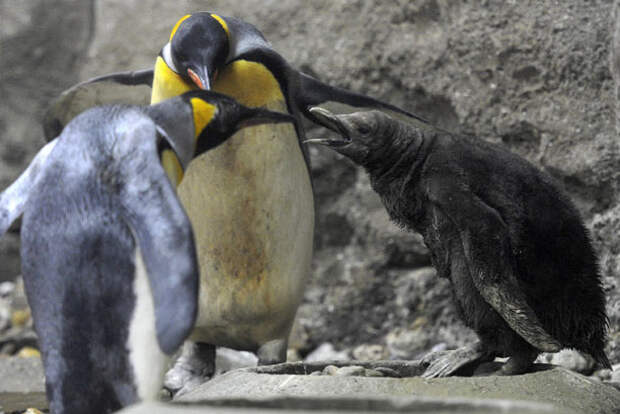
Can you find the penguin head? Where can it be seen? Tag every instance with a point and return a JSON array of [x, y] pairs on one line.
[[362, 134], [198, 47], [217, 117]]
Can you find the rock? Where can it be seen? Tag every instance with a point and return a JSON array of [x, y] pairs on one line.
[[615, 374], [5, 313], [373, 373], [534, 76], [556, 390], [333, 406], [326, 352], [602, 374], [350, 371], [6, 289], [367, 352], [42, 51], [22, 384], [330, 370], [227, 359], [570, 359], [17, 338], [392, 368]]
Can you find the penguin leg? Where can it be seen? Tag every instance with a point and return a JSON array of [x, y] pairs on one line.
[[272, 352], [519, 363], [195, 365], [442, 364]]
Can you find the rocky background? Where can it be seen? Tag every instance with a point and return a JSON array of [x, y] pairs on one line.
[[534, 76]]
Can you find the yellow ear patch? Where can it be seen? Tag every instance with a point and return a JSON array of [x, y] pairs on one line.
[[176, 26], [172, 166], [203, 114], [223, 23]]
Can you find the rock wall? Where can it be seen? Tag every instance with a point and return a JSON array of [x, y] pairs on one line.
[[532, 75]]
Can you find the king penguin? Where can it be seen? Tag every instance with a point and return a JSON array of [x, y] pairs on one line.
[[254, 268], [108, 252]]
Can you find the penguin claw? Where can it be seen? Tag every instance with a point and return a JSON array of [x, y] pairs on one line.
[[194, 367], [444, 364]]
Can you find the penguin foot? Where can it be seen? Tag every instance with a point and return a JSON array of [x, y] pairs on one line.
[[519, 364], [195, 366], [444, 364], [272, 352]]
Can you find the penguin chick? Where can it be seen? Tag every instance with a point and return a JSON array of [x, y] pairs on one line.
[[108, 255], [523, 270]]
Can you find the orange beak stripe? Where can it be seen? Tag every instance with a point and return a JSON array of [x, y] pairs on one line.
[[195, 78]]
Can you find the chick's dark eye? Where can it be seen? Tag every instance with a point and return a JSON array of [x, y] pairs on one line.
[[363, 129]]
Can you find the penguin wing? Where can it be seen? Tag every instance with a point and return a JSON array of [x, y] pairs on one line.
[[13, 200], [164, 234], [304, 91], [307, 91], [123, 87], [491, 264]]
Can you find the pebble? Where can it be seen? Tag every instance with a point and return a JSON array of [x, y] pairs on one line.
[[29, 352], [326, 352], [570, 359], [615, 374], [373, 373], [366, 352], [20, 317], [330, 370], [351, 371]]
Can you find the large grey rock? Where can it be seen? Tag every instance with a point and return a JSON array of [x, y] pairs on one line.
[[22, 384], [41, 53], [532, 75], [276, 405], [564, 390]]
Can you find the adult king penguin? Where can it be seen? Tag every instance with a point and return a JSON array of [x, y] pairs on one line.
[[108, 254], [253, 268]]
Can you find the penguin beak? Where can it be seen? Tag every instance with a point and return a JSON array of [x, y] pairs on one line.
[[258, 116], [200, 77], [332, 122]]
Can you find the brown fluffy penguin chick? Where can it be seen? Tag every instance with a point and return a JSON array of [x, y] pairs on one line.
[[523, 271]]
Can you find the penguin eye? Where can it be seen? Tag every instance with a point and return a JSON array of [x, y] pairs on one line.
[[363, 129]]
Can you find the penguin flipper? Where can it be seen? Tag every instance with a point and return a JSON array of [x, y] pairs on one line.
[[165, 237], [123, 87], [312, 92], [13, 199], [485, 241]]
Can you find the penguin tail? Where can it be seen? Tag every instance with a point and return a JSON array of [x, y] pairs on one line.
[[313, 92]]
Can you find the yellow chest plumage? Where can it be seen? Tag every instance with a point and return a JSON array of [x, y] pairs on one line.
[[167, 83], [252, 210], [250, 83]]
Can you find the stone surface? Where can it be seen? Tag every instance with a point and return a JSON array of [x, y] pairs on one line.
[[532, 75], [335, 405], [564, 390], [22, 384], [42, 50]]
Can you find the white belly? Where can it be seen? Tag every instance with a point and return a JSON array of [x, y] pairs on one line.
[[147, 359], [251, 206]]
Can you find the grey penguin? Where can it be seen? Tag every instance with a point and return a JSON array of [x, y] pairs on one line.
[[523, 271], [252, 277], [108, 253]]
